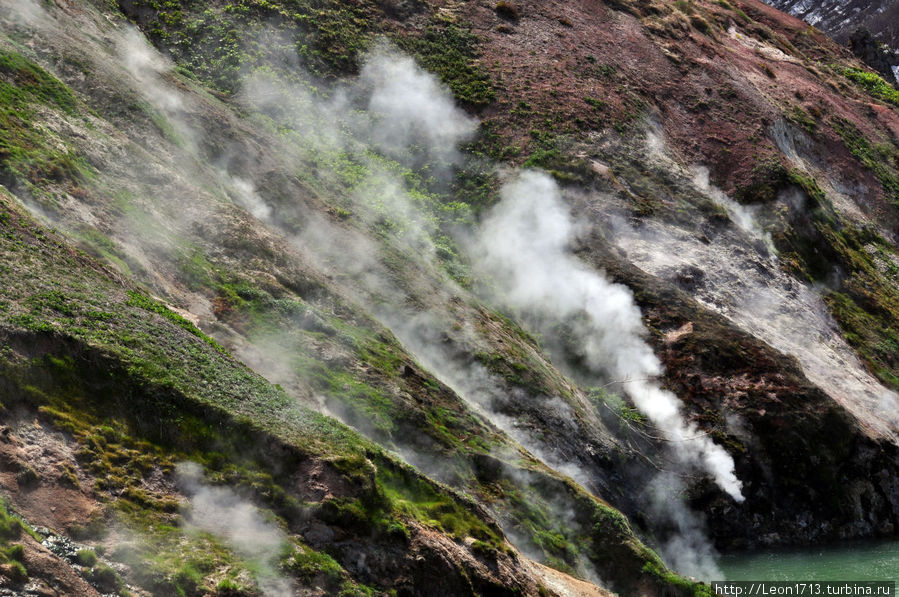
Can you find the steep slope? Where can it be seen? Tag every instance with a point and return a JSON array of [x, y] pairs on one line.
[[871, 29], [733, 89], [105, 391], [314, 201], [840, 19], [257, 285], [766, 67]]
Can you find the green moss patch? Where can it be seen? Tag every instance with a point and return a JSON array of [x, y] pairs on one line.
[[873, 84], [28, 154], [12, 554], [882, 159], [451, 52]]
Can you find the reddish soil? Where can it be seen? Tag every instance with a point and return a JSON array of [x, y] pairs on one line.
[[716, 93]]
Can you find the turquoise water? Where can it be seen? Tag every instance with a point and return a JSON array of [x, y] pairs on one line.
[[865, 561]]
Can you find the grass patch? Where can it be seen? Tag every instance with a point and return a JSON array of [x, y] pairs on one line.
[[421, 499], [219, 43], [25, 82], [451, 52], [142, 301], [873, 84], [803, 119], [28, 154], [12, 555], [871, 156]]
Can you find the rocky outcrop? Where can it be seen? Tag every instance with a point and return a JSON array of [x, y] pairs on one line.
[[868, 27], [873, 53]]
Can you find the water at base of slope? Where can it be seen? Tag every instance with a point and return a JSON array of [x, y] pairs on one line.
[[850, 562]]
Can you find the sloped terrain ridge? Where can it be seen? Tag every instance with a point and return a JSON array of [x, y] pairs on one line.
[[438, 298], [869, 28], [114, 403], [840, 19]]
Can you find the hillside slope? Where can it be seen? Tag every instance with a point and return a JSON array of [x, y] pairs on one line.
[[870, 28], [682, 336], [130, 432], [840, 19], [259, 284]]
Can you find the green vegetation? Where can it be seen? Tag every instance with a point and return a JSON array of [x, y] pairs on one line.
[[310, 565], [309, 329], [595, 103], [219, 43], [99, 245], [535, 519], [882, 160], [450, 51], [550, 154], [874, 337], [12, 555], [425, 502], [103, 576], [138, 393], [802, 118], [86, 557], [658, 570], [626, 414], [138, 299], [25, 82], [138, 387], [817, 244], [166, 559], [685, 7], [27, 154], [873, 84]]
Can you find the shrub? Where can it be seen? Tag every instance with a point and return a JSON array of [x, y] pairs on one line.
[[27, 477], [700, 24], [105, 578], [86, 557], [10, 527], [874, 84], [15, 571], [16, 552], [227, 587], [507, 10]]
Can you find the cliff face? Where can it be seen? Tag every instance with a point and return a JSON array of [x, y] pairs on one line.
[[871, 29], [576, 278], [841, 18]]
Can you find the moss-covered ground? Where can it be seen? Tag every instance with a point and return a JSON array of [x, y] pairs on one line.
[[138, 389]]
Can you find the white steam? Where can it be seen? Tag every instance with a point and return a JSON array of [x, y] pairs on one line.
[[753, 292], [411, 107], [24, 12], [244, 193], [143, 62], [742, 216], [524, 245], [395, 108], [221, 512], [688, 549]]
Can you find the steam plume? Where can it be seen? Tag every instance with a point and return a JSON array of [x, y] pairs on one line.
[[523, 244], [740, 215], [411, 107], [221, 512]]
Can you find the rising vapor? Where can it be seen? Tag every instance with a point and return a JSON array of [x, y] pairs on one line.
[[221, 512], [523, 245]]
